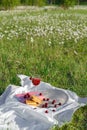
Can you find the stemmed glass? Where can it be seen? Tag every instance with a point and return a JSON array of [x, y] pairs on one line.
[[35, 81]]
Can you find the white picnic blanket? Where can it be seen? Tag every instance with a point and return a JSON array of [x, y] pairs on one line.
[[15, 115]]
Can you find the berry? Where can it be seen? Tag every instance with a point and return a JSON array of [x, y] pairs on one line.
[[40, 94], [46, 104], [53, 101], [47, 99], [53, 110], [46, 111], [26, 95], [55, 105], [44, 99], [59, 103]]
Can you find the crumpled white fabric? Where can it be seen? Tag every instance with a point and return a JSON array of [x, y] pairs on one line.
[[15, 115]]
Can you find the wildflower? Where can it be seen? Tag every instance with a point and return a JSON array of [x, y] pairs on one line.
[[32, 40]]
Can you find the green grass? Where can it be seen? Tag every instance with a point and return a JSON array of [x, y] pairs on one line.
[[51, 44], [79, 121]]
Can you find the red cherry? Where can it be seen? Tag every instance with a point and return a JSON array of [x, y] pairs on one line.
[[40, 94], [53, 101], [46, 104], [26, 95], [53, 110], [59, 103], [35, 81], [55, 105], [47, 99], [46, 111], [44, 99]]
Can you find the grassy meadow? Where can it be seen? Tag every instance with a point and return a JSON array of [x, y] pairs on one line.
[[48, 42]]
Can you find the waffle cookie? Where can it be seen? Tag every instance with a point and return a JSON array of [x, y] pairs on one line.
[[36, 99], [30, 102]]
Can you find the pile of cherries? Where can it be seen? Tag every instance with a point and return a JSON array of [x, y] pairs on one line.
[[48, 103]]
